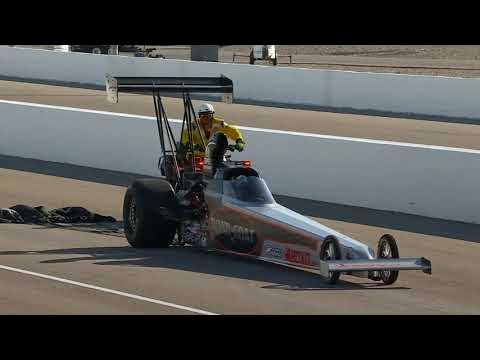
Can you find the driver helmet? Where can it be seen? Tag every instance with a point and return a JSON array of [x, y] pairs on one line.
[[206, 109]]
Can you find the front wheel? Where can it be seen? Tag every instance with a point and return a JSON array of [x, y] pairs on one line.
[[331, 251], [388, 249]]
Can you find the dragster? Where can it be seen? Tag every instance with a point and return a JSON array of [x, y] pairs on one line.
[[216, 204]]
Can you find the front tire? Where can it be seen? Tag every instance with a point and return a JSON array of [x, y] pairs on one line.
[[331, 251], [388, 249], [144, 226]]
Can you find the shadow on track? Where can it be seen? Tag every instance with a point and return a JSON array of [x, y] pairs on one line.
[[351, 214], [103, 228], [189, 259], [68, 171], [386, 219]]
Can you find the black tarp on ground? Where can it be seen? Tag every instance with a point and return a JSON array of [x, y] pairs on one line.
[[24, 214]]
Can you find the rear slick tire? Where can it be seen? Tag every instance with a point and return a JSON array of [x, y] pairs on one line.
[[144, 226]]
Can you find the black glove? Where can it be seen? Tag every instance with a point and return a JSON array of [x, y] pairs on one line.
[[240, 145]]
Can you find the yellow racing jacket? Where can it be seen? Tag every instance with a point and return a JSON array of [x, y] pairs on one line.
[[218, 125]]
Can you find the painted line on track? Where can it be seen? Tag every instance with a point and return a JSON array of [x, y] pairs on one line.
[[110, 291], [272, 131]]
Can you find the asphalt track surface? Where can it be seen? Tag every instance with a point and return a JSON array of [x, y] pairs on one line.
[[462, 133], [90, 269]]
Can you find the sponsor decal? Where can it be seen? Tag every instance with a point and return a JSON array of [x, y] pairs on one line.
[[235, 238], [298, 257], [236, 232], [272, 250]]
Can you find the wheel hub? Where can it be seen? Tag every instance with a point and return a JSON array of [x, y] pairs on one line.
[[330, 255], [386, 253]]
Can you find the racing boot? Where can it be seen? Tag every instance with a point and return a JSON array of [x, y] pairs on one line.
[[216, 150]]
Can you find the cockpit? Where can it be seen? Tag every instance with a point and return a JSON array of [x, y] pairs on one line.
[[251, 189]]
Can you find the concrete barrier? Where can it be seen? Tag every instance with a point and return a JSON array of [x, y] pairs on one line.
[[424, 180], [361, 91]]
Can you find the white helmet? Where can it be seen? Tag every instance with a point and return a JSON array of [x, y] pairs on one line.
[[206, 108]]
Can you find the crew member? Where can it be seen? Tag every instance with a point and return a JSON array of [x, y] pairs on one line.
[[209, 126]]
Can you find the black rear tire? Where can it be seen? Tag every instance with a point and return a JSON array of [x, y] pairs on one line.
[[144, 226], [387, 248], [331, 251]]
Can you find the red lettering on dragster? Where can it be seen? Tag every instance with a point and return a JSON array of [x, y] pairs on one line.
[[299, 257]]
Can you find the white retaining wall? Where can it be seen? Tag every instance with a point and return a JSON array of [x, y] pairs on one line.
[[427, 95], [417, 179]]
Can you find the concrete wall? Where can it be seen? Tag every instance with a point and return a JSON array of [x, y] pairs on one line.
[[417, 179], [427, 95]]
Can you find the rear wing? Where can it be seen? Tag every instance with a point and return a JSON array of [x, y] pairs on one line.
[[169, 85]]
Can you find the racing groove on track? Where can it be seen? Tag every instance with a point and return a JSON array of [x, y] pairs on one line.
[[463, 134], [214, 283]]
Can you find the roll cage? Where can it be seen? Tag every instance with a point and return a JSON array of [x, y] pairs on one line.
[[160, 86]]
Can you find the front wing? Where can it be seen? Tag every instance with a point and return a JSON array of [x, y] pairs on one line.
[[349, 266]]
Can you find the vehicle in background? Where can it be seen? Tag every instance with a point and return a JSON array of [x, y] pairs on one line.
[[263, 52], [128, 48], [149, 52], [92, 49], [61, 48]]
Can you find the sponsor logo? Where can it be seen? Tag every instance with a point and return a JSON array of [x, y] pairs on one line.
[[298, 257], [273, 250], [235, 233]]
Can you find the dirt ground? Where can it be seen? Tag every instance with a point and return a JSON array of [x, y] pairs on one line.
[[443, 52], [451, 52], [440, 60]]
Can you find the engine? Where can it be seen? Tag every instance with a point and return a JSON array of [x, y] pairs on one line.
[[193, 229]]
